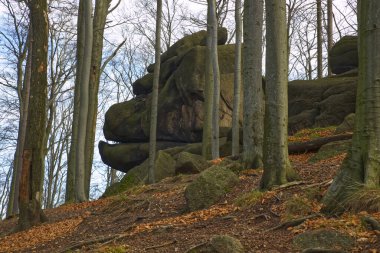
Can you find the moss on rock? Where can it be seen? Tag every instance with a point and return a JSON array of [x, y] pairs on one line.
[[209, 187]]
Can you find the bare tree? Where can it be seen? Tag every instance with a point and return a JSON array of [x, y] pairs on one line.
[[153, 112], [32, 166], [277, 168], [253, 112], [237, 81]]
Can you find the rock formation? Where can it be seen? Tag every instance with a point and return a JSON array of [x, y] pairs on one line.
[[343, 56], [320, 102]]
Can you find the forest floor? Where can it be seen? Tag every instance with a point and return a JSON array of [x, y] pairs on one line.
[[152, 218]]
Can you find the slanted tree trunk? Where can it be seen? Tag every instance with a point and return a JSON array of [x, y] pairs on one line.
[[361, 168], [216, 77], [329, 30], [84, 77], [153, 113], [277, 168], [208, 94], [237, 82], [100, 18], [319, 39], [33, 158], [253, 110]]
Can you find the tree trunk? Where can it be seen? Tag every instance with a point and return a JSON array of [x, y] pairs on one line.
[[13, 207], [216, 77], [329, 30], [319, 39], [84, 77], [70, 195], [153, 113], [253, 111], [237, 81], [208, 95], [361, 168], [277, 168], [33, 159], [100, 18]]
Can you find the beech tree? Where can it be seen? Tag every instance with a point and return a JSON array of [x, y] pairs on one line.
[[216, 78], [153, 112], [319, 39], [253, 110], [85, 39], [33, 158], [237, 81], [208, 95], [277, 168], [360, 170]]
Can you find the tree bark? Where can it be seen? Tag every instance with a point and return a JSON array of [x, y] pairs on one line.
[[319, 40], [277, 168], [13, 207], [253, 110], [70, 195], [329, 31], [33, 159], [84, 77], [208, 95], [237, 81], [153, 113], [216, 77], [361, 168], [100, 18]]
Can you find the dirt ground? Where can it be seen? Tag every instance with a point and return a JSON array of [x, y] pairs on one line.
[[153, 218]]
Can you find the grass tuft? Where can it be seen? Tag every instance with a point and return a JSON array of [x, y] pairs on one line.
[[249, 199], [363, 199]]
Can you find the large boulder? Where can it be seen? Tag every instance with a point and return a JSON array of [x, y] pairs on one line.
[[324, 239], [209, 187], [188, 163], [343, 56], [320, 103], [315, 103], [180, 107], [138, 175], [125, 156]]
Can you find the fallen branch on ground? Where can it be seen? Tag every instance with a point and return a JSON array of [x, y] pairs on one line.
[[293, 223], [314, 145]]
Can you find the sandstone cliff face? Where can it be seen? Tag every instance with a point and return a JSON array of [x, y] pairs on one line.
[[320, 102]]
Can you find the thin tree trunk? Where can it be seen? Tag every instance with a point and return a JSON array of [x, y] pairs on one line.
[[84, 101], [253, 111], [329, 31], [153, 113], [216, 77], [277, 168], [237, 82], [100, 18], [33, 159], [70, 194], [13, 207], [319, 39], [361, 168], [208, 95]]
